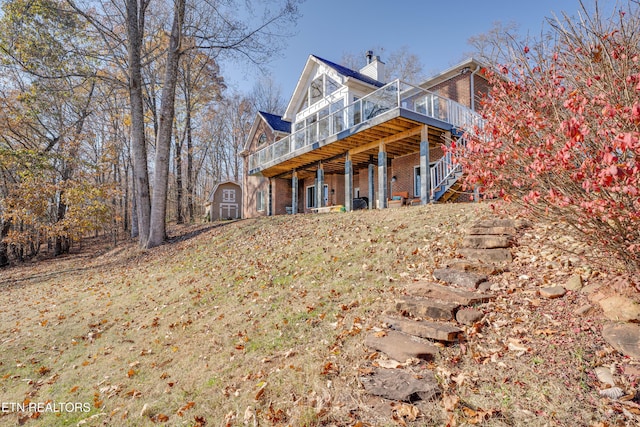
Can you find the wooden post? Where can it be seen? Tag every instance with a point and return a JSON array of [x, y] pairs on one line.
[[425, 172]]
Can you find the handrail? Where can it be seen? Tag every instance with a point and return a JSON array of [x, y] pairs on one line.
[[396, 94], [445, 168]]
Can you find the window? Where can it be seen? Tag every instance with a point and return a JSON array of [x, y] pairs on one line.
[[330, 86], [262, 140], [229, 195], [315, 91], [260, 201], [311, 197]]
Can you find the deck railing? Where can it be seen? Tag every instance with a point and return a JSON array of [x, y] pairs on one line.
[[394, 95]]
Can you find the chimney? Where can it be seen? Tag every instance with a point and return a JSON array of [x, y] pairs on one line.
[[369, 56], [374, 67]]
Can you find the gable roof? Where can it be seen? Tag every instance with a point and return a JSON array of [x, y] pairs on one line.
[[348, 72], [213, 192], [305, 76], [275, 122]]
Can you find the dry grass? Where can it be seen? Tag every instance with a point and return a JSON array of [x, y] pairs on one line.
[[261, 322]]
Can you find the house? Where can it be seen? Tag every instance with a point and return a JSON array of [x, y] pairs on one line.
[[225, 202], [348, 136]]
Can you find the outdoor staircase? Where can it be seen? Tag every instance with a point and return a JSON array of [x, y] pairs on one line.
[[434, 314], [445, 176]]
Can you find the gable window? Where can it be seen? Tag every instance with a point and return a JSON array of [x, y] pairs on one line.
[[319, 88], [315, 91], [262, 140]]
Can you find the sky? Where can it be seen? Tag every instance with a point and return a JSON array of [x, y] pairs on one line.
[[433, 30]]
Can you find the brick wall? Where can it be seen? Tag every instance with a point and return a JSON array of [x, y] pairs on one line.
[[458, 88]]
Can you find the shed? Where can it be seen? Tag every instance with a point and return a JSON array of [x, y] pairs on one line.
[[225, 202]]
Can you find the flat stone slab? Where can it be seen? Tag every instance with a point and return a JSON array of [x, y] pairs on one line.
[[500, 255], [620, 308], [396, 384], [425, 329], [552, 292], [474, 267], [624, 337], [460, 278], [446, 293], [490, 223], [433, 309], [469, 316], [400, 346], [486, 241], [498, 231]]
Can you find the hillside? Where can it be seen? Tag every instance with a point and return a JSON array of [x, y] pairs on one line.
[[262, 322]]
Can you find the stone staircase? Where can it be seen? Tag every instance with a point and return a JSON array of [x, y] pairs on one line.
[[430, 314]]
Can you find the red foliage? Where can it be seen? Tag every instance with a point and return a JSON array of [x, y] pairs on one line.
[[562, 133]]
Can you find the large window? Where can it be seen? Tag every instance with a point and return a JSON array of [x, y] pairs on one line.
[[319, 88]]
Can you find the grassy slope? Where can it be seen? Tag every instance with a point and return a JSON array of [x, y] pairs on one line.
[[255, 319]]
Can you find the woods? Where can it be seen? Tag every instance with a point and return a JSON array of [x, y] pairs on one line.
[[115, 117]]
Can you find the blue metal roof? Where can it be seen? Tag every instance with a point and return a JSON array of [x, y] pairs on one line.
[[350, 73], [276, 122]]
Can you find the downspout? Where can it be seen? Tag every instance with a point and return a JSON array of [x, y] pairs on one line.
[[473, 92]]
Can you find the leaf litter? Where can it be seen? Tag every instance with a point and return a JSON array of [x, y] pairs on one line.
[[269, 315]]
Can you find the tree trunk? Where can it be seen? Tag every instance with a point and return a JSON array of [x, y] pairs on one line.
[[4, 247], [135, 33], [190, 178], [178, 165], [157, 230]]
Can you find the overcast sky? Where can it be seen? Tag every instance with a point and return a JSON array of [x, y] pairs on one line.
[[433, 30]]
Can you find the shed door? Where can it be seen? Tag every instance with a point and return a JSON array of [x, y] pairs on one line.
[[229, 210]]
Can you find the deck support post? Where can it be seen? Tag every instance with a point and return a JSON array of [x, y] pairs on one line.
[[348, 184], [319, 186], [425, 172], [294, 193], [382, 177]]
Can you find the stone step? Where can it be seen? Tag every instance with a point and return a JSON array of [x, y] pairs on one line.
[[497, 231], [431, 308], [458, 277], [474, 267], [486, 241], [400, 346], [446, 293], [489, 223], [398, 384], [500, 255], [424, 329]]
